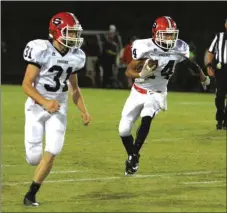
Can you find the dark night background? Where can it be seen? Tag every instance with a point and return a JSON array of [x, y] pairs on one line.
[[25, 21]]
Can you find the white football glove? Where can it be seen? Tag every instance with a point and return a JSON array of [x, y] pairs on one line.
[[206, 82], [146, 70]]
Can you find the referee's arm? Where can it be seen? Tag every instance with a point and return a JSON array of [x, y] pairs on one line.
[[210, 56]]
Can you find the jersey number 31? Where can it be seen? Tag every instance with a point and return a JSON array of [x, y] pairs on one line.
[[57, 86]]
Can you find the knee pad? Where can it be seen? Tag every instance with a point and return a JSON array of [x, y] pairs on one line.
[[34, 155], [125, 127]]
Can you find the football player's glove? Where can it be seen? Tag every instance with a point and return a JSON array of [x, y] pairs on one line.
[[147, 70], [206, 82]]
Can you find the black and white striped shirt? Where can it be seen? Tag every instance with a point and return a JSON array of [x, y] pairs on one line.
[[219, 47]]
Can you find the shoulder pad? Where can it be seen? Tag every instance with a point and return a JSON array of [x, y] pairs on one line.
[[139, 48], [34, 52], [41, 44], [80, 59], [182, 47]]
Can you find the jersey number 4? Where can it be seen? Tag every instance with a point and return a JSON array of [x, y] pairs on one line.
[[59, 70], [167, 71]]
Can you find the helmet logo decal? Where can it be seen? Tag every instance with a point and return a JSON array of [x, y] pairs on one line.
[[154, 25], [57, 21]]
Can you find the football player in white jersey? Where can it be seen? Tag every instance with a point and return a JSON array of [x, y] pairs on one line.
[[52, 67], [149, 92]]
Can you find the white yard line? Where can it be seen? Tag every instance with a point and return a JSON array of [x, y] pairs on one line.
[[8, 165], [196, 103], [64, 172], [119, 177], [204, 182], [181, 139]]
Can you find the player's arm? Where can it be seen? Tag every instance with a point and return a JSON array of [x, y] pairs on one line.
[[31, 73], [197, 69], [138, 51], [210, 70], [210, 55], [78, 98], [205, 80], [131, 69], [33, 56]]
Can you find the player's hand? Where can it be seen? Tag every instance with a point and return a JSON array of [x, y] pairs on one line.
[[51, 106], [147, 70], [206, 82], [210, 71], [86, 118]]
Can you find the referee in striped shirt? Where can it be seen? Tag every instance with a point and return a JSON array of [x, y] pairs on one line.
[[217, 67]]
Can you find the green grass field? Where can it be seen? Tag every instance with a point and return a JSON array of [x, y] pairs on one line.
[[182, 166]]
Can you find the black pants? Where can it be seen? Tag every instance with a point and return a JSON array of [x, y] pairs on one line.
[[107, 74], [221, 93]]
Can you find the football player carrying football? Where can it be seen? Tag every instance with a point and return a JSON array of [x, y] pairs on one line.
[[52, 66], [148, 94]]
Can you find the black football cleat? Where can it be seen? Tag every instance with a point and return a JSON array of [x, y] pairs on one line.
[[30, 202], [135, 161], [128, 166], [132, 164]]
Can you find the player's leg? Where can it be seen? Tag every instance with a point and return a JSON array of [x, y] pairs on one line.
[[220, 106], [55, 128], [30, 197], [55, 133], [225, 110], [220, 98], [142, 132], [154, 103], [130, 114], [225, 117], [125, 128], [34, 129]]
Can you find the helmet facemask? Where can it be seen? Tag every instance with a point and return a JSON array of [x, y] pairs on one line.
[[166, 39], [71, 36]]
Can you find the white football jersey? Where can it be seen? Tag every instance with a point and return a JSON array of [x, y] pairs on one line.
[[55, 68], [167, 60]]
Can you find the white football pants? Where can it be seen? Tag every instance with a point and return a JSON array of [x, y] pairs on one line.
[[37, 122], [142, 105]]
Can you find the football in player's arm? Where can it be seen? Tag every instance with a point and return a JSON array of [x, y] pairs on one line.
[[52, 66], [148, 95]]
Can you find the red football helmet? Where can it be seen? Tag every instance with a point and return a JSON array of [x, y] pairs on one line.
[[66, 29], [165, 32]]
